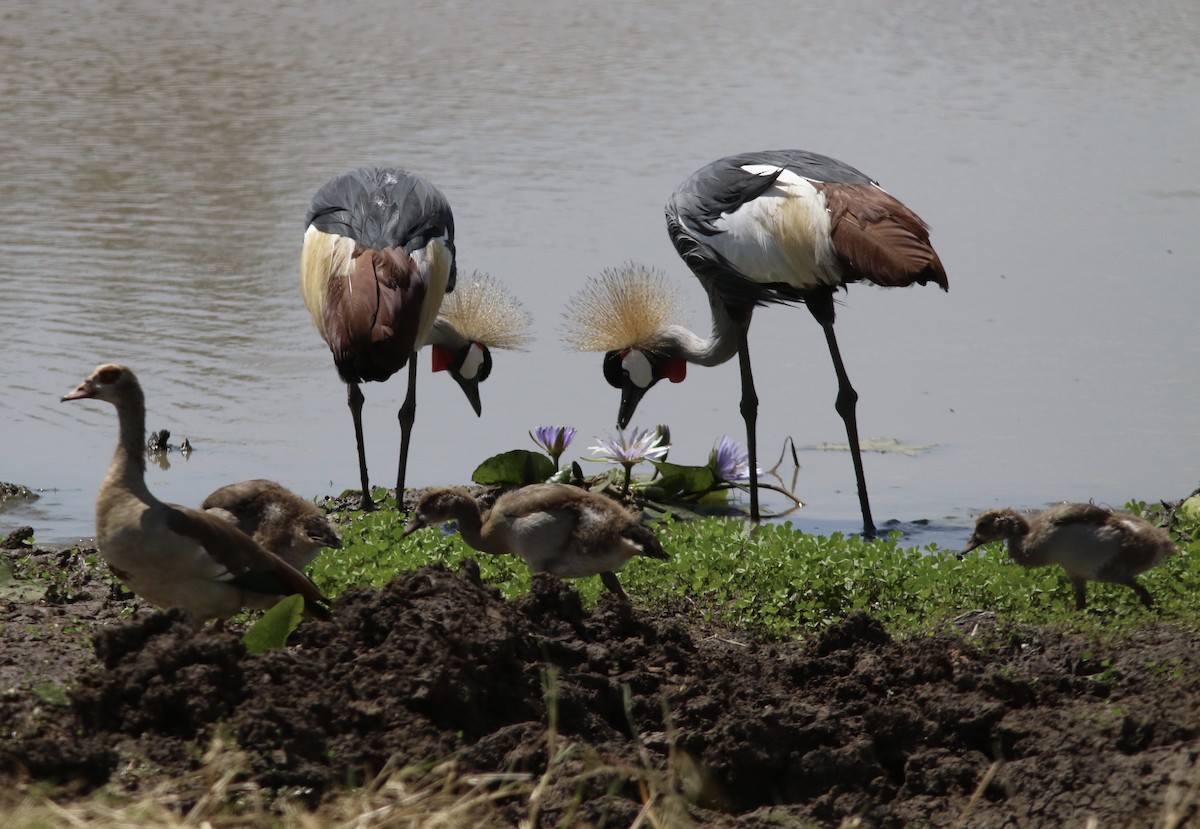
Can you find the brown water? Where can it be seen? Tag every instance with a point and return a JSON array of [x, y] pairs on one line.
[[158, 158]]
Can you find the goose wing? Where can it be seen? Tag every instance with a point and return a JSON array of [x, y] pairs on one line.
[[244, 563]]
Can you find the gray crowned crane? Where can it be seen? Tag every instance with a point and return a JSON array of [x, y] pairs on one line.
[[377, 260], [763, 228]]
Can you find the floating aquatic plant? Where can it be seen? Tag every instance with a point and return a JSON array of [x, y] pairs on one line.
[[673, 488]]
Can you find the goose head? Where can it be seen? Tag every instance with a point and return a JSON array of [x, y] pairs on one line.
[[441, 505], [317, 531], [109, 382]]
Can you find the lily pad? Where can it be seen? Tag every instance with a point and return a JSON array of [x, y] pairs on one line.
[[520, 466], [679, 480]]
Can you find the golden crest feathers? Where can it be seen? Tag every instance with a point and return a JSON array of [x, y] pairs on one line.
[[623, 307], [483, 310]]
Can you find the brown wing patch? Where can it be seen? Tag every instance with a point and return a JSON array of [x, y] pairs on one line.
[[240, 554], [877, 239], [371, 314]]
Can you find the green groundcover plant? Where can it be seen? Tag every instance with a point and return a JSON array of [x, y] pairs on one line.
[[777, 580]]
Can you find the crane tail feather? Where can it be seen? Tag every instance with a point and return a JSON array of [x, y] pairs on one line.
[[371, 314], [879, 240]]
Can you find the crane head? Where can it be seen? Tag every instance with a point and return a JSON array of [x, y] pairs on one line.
[[634, 371], [469, 366]]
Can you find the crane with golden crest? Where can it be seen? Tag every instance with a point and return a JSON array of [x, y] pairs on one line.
[[377, 261], [761, 228]]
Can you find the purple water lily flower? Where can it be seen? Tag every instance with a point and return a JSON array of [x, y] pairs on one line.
[[554, 439], [729, 461]]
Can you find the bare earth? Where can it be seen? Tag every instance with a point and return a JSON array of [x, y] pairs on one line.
[[851, 724]]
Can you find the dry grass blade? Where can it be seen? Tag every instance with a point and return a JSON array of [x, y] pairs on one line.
[[1182, 806], [438, 797], [964, 818]]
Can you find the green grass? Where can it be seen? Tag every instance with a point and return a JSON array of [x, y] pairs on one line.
[[777, 580]]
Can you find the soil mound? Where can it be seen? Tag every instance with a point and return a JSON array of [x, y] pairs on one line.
[[747, 732]]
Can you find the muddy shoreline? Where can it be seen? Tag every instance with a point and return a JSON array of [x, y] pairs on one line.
[[1013, 726]]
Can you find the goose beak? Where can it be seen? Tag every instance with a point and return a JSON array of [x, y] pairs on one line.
[[83, 390], [415, 524]]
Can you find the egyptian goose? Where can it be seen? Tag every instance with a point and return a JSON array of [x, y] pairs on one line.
[[170, 555], [1089, 542], [291, 527], [558, 529]]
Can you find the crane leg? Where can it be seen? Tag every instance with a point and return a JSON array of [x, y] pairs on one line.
[[749, 409], [820, 305], [407, 416], [354, 399]]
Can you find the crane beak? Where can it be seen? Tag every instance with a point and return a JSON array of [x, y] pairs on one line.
[[631, 395], [633, 373], [473, 359], [470, 388], [415, 524]]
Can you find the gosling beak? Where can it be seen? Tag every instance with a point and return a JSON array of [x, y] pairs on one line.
[[972, 544], [417, 523]]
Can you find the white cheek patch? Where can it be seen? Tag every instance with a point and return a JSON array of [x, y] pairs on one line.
[[638, 367], [472, 362]]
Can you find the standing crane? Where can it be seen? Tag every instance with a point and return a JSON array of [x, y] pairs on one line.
[[378, 257], [773, 227]]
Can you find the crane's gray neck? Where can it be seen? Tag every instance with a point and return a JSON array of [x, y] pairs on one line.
[[443, 333], [727, 330]]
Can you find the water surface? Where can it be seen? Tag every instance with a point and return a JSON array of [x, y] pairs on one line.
[[159, 158]]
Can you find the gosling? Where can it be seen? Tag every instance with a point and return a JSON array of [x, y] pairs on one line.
[[291, 527], [1089, 542], [558, 529]]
